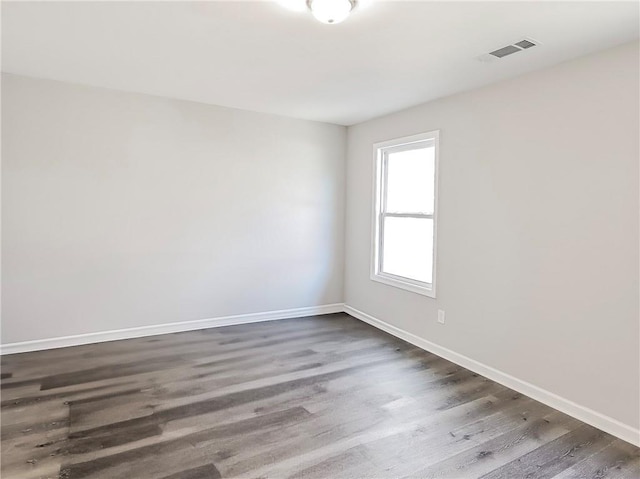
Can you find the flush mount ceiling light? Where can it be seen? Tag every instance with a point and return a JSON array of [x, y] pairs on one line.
[[331, 11]]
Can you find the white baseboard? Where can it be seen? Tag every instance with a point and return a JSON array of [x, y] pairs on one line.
[[589, 416], [115, 335]]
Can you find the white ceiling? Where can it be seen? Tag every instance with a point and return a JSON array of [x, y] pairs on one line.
[[260, 56]]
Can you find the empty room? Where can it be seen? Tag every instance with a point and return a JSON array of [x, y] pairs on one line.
[[320, 239]]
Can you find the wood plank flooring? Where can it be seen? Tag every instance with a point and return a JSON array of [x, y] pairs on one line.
[[322, 397]]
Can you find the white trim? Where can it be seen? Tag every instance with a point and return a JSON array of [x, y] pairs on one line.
[[589, 416], [129, 333], [379, 150], [405, 140], [404, 283]]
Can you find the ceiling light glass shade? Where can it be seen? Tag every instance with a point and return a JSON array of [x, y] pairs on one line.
[[330, 11]]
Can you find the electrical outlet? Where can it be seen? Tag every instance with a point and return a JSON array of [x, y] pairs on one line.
[[441, 316]]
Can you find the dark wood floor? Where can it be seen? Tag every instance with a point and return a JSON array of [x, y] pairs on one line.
[[325, 397]]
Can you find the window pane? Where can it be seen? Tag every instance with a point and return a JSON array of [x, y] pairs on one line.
[[410, 180], [408, 248]]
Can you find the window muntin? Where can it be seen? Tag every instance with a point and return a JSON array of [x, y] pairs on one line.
[[405, 213]]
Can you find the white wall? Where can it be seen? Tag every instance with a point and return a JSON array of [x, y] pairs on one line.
[[538, 229], [122, 210]]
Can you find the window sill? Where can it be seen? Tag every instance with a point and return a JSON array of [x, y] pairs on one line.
[[397, 282]]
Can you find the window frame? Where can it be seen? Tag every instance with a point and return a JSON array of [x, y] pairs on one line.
[[380, 153]]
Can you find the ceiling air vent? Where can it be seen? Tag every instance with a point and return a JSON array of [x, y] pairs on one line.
[[515, 48], [524, 44], [504, 51], [509, 50]]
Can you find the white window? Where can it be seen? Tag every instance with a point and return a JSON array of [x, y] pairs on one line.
[[404, 223]]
